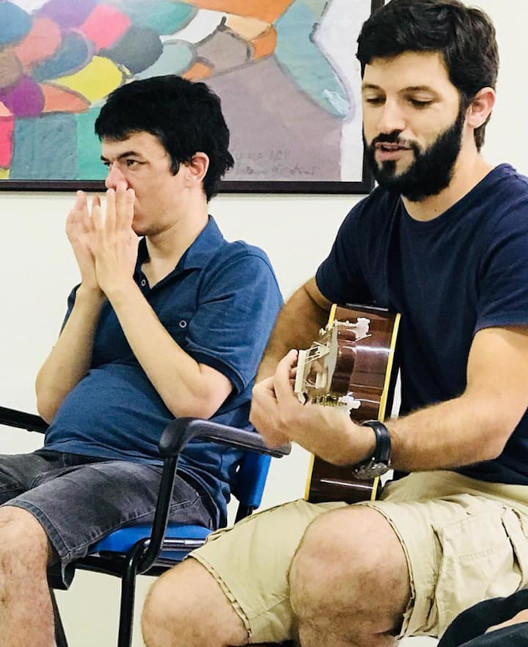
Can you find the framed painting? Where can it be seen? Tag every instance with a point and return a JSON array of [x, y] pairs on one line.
[[285, 71]]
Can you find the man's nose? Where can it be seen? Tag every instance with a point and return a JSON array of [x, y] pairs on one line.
[[391, 118], [115, 178]]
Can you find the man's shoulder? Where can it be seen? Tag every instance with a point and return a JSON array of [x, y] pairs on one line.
[[238, 266], [506, 171], [505, 184], [237, 251], [503, 198]]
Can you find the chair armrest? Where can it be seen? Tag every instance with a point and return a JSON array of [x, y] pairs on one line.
[[22, 420], [180, 431], [174, 438]]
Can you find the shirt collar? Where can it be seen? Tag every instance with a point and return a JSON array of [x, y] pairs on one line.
[[199, 252]]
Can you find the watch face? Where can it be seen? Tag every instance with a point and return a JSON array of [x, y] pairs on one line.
[[371, 470]]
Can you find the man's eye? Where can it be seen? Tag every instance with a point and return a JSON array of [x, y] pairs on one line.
[[420, 103], [131, 163], [374, 101]]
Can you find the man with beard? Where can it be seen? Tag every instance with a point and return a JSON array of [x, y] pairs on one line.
[[444, 241]]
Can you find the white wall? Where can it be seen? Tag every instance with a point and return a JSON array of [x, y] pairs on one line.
[[296, 231]]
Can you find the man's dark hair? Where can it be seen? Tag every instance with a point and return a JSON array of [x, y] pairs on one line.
[[465, 36], [186, 118]]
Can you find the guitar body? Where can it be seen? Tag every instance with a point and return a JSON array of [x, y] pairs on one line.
[[350, 365]]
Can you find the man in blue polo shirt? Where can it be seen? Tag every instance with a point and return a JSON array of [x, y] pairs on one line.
[[169, 320]]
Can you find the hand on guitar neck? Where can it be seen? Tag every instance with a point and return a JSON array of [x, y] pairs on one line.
[[327, 432], [319, 397]]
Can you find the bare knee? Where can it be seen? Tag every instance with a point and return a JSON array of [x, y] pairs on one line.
[[170, 602], [22, 539], [186, 607], [350, 564]]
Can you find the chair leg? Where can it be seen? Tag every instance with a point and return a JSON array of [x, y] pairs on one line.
[[60, 635], [126, 612], [128, 595]]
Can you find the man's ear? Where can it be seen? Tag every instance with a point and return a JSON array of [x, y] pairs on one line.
[[197, 167], [480, 108]]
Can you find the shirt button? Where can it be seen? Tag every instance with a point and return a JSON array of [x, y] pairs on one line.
[[183, 324], [143, 282]]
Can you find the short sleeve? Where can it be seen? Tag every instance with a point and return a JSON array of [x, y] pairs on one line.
[[238, 302], [503, 285]]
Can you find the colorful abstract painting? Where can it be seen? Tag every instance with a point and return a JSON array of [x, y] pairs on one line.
[[285, 70]]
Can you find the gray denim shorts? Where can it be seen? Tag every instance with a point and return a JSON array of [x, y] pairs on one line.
[[78, 500]]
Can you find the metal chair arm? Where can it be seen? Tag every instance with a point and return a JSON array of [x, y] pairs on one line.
[[22, 420], [174, 438], [180, 431]]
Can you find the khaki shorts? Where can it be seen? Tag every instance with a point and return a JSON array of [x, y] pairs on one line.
[[464, 541]]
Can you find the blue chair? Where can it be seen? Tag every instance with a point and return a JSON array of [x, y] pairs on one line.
[[151, 549]]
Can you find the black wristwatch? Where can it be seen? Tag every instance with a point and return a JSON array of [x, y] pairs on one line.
[[379, 462]]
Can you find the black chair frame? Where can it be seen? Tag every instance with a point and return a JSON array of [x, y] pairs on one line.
[[146, 556]]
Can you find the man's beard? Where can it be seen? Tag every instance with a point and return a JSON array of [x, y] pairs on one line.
[[429, 173]]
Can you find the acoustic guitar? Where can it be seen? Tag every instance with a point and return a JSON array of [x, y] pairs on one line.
[[350, 366]]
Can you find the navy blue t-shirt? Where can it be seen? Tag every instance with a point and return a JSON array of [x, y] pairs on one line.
[[449, 277], [469, 628], [219, 304]]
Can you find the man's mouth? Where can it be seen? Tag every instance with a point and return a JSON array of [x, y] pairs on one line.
[[387, 147], [390, 151]]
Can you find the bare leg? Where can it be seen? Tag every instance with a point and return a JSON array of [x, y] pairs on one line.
[[186, 608], [26, 616], [349, 581]]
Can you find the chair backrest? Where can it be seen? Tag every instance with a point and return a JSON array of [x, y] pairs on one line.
[[251, 479]]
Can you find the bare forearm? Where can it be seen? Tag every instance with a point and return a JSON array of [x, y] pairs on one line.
[[297, 326], [175, 375], [70, 358], [448, 435], [476, 425]]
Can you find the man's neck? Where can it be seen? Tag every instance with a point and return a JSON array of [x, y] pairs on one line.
[[167, 247], [469, 170]]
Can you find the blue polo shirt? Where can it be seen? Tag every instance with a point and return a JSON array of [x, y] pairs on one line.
[[219, 304]]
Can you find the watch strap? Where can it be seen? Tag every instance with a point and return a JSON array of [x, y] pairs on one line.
[[382, 452]]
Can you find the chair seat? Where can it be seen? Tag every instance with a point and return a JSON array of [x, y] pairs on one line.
[[122, 540]]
